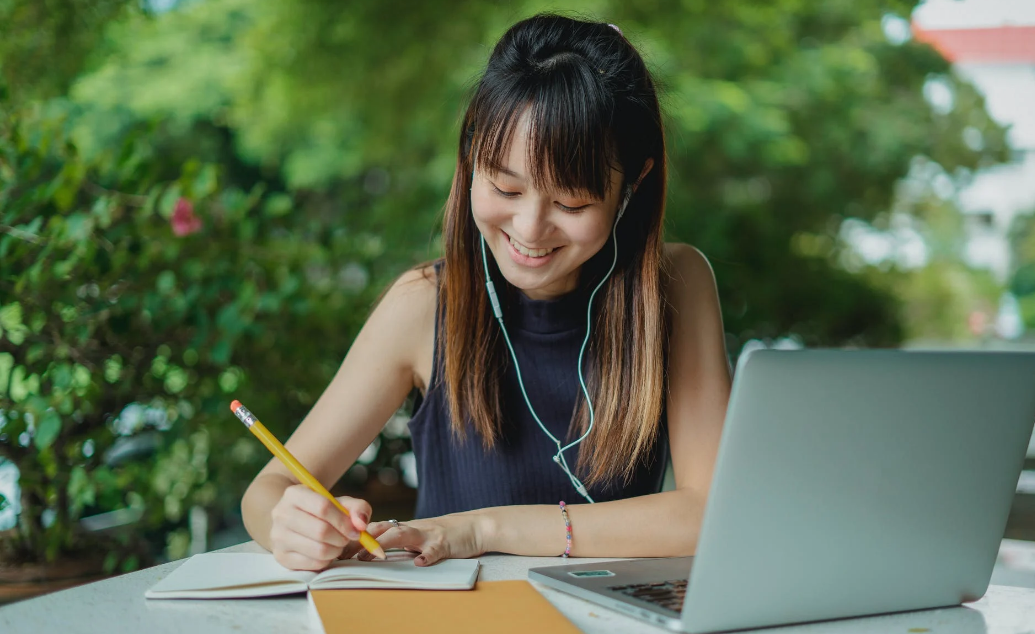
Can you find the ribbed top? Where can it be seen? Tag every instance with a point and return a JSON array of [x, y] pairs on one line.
[[458, 476]]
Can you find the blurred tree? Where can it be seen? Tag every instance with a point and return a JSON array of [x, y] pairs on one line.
[[939, 297], [45, 45], [789, 117], [785, 117], [1022, 280], [128, 307]]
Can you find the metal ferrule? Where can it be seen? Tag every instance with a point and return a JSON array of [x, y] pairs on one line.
[[246, 416]]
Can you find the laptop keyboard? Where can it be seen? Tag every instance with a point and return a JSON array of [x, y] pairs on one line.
[[667, 594]]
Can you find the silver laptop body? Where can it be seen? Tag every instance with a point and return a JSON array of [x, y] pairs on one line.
[[847, 483]]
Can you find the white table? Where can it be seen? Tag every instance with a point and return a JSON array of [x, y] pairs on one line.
[[117, 605]]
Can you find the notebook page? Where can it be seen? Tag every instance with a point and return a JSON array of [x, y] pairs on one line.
[[230, 575], [450, 574]]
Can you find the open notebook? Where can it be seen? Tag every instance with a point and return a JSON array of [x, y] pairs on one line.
[[243, 575]]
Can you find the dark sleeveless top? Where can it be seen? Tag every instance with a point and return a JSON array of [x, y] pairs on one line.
[[456, 476]]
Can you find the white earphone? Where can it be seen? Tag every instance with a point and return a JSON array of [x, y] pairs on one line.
[[490, 287]]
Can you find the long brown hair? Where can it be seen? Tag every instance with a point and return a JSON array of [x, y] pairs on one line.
[[592, 107]]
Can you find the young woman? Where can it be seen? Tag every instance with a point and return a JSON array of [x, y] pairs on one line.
[[557, 314]]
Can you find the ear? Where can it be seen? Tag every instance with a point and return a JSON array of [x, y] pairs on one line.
[[647, 166]]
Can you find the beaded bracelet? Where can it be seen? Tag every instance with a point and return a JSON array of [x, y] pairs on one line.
[[567, 530]]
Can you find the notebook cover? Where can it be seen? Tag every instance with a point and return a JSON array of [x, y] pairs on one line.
[[501, 607]]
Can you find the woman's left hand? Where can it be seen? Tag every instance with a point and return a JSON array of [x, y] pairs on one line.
[[458, 536]]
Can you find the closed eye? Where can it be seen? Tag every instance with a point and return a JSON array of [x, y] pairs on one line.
[[565, 208], [503, 193], [572, 210]]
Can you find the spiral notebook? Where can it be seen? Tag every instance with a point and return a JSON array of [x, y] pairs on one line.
[[247, 575]]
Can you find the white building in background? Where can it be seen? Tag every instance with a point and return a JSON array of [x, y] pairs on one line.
[[991, 43]]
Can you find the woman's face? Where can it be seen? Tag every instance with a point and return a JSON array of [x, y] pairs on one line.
[[539, 237]]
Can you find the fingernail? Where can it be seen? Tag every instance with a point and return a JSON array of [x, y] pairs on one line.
[[422, 559]]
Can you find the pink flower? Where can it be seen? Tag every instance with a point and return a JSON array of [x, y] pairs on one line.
[[183, 220]]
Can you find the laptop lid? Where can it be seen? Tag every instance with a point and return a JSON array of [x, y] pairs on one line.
[[859, 482]]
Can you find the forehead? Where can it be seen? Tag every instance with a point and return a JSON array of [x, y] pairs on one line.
[[519, 154], [523, 154], [539, 144]]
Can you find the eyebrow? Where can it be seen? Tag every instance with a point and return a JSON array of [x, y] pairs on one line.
[[499, 168]]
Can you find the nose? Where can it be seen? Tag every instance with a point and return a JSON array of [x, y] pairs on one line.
[[530, 222]]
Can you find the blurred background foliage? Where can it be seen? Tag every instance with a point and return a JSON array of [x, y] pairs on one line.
[[201, 200]]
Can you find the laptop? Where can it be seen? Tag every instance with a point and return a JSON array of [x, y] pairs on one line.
[[848, 483]]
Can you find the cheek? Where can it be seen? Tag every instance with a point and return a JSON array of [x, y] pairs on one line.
[[488, 209], [588, 232]]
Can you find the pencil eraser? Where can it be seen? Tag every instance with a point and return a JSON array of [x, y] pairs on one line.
[[234, 405]]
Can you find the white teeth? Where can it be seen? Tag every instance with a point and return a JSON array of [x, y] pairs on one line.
[[534, 253]]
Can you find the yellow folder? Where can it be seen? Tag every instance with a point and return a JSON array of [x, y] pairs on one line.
[[501, 607]]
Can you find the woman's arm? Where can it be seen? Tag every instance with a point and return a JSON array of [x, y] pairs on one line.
[[659, 525], [372, 382]]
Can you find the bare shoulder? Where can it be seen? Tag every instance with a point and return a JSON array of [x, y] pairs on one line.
[[689, 273], [415, 285], [405, 316]]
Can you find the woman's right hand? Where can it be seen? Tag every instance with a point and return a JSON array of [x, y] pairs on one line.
[[309, 532]]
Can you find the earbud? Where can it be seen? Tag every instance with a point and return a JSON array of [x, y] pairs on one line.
[[625, 203]]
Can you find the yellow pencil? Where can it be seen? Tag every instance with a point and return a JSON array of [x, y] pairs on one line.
[[303, 475]]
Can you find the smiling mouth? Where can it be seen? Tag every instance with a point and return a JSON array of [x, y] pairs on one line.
[[523, 250]]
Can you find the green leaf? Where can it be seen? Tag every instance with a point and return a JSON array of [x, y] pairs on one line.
[[130, 564], [23, 386], [11, 316], [168, 201], [47, 430], [277, 205], [71, 178], [103, 212], [111, 560], [61, 376], [6, 363], [220, 353], [81, 490], [16, 336], [205, 183], [81, 377], [166, 282]]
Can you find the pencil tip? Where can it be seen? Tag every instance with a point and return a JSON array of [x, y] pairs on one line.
[[379, 553], [235, 405]]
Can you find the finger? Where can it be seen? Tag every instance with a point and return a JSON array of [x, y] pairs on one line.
[[359, 511], [297, 561], [293, 542], [376, 529], [317, 505], [429, 556], [405, 536], [314, 528]]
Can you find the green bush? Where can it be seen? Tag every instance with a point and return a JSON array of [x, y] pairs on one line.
[[127, 318]]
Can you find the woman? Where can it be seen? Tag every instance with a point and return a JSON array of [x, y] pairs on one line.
[[557, 314]]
